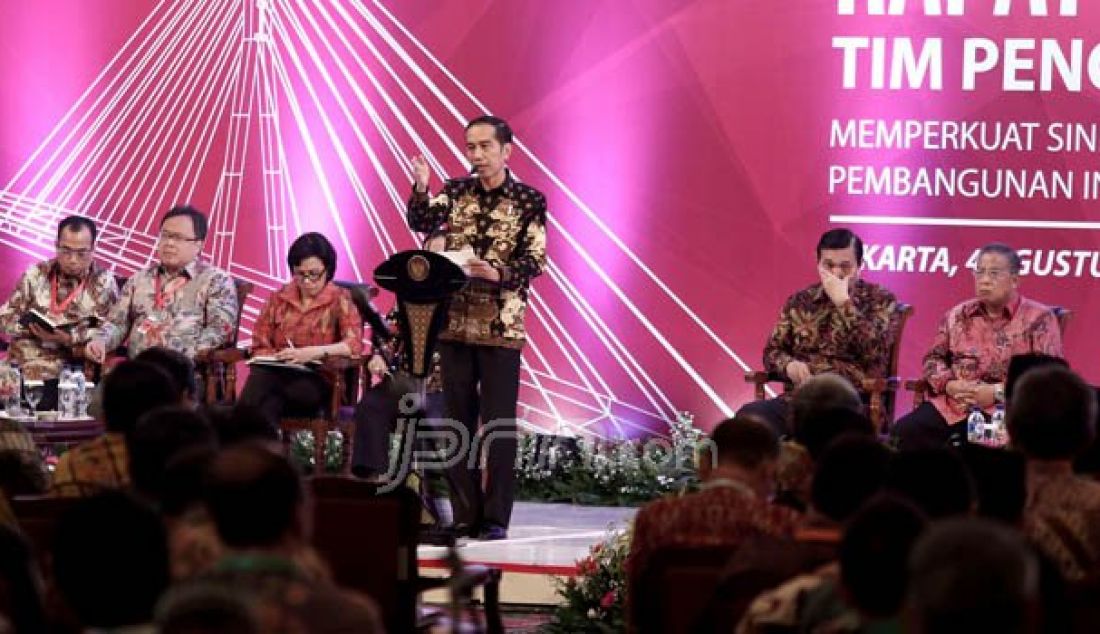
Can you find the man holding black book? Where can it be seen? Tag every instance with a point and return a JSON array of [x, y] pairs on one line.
[[56, 304]]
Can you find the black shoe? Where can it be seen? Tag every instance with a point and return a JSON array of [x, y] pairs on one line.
[[493, 533], [437, 536], [462, 529]]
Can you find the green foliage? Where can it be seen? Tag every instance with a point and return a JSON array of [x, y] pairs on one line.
[[608, 473], [301, 450], [593, 601]]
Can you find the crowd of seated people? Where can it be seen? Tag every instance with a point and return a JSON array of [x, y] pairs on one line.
[[172, 505], [871, 538], [189, 513]]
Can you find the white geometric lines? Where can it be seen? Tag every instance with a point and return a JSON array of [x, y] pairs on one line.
[[285, 116]]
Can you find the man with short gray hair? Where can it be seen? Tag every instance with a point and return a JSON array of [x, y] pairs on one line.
[[968, 362]]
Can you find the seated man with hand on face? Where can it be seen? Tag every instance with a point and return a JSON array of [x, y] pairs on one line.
[[841, 324]]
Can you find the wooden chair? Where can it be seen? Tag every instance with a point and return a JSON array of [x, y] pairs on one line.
[[345, 377], [673, 592], [37, 516], [217, 378], [879, 391], [882, 392], [921, 389], [382, 563], [342, 375]]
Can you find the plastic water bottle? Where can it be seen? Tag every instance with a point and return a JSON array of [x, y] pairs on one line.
[[14, 402], [67, 395], [975, 425], [81, 387], [1000, 431]]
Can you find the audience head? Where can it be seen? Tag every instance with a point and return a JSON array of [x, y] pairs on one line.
[[244, 423], [997, 274], [972, 575], [1000, 481], [20, 584], [22, 473], [748, 447], [850, 471], [840, 252], [1052, 415], [179, 367], [936, 480], [130, 390], [199, 609], [75, 245], [1021, 363], [255, 498], [182, 484], [182, 233], [874, 552], [110, 560], [822, 392], [159, 435], [819, 429]]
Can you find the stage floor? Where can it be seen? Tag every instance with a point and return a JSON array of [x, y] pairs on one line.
[[544, 543]]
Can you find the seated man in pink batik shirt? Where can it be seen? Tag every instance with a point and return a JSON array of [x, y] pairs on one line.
[[974, 343]]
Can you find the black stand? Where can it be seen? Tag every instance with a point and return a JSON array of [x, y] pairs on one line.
[[423, 283]]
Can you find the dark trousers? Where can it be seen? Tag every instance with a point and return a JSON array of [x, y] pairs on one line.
[[776, 412], [926, 428], [277, 393], [481, 387], [376, 417]]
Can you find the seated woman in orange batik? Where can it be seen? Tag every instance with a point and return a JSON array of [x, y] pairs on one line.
[[306, 320]]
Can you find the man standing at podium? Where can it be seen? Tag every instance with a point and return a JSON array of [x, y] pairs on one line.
[[504, 222]]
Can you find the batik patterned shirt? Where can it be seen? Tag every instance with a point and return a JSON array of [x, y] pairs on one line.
[[92, 466], [282, 596], [95, 294], [852, 340], [331, 318], [971, 344], [1062, 518], [724, 513], [194, 309], [506, 227]]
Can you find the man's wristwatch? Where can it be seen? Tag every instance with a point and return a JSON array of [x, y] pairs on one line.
[[999, 392]]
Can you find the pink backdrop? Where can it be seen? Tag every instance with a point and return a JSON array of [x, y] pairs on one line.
[[684, 146]]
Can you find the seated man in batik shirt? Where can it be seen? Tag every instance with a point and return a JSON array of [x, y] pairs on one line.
[[841, 324], [974, 343], [179, 303], [732, 507], [69, 289]]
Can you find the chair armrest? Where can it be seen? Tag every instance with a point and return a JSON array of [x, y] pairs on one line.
[[881, 385], [223, 355], [339, 363], [760, 378]]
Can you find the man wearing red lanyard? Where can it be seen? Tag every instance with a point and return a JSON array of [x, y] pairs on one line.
[[179, 303], [69, 288]]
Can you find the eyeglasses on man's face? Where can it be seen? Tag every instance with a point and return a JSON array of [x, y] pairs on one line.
[[80, 254], [993, 274], [170, 236]]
